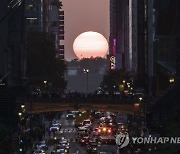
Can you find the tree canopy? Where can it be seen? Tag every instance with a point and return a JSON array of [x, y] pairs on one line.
[[42, 63], [93, 64], [113, 78]]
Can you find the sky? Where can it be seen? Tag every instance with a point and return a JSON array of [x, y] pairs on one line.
[[82, 16]]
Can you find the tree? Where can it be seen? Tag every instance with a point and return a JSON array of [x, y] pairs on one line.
[[113, 78], [42, 63], [93, 64]]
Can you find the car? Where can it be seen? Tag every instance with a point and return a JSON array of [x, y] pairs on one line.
[[92, 147], [54, 128], [70, 116], [107, 140], [42, 145], [39, 151], [81, 132], [88, 127], [84, 141], [85, 122], [104, 130], [122, 127], [59, 150], [64, 143], [95, 132], [55, 123]]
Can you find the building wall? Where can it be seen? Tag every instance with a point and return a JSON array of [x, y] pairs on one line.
[[3, 38], [133, 49], [119, 33], [34, 14], [12, 52], [47, 16]]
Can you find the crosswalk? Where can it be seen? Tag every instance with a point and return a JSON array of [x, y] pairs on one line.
[[68, 130]]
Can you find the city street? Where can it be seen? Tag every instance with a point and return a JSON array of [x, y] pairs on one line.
[[69, 132]]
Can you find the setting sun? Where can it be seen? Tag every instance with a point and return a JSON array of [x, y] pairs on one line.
[[90, 44]]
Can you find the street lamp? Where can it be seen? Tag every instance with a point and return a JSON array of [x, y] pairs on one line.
[[45, 82], [22, 106], [86, 71], [144, 110], [171, 80], [140, 98]]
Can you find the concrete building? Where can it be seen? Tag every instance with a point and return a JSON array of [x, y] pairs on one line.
[[12, 32], [47, 16], [166, 43], [114, 53], [131, 38], [12, 63], [34, 14], [78, 79]]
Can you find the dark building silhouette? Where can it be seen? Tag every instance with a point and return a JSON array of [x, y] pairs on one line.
[[12, 64], [47, 16], [131, 39], [167, 43]]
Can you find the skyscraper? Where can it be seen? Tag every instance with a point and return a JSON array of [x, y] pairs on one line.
[[131, 38], [47, 16]]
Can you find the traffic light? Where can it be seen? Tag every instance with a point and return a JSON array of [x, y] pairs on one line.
[[80, 114]]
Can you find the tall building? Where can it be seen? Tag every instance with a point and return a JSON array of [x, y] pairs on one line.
[[12, 67], [131, 38], [166, 43], [114, 53], [47, 16], [61, 34], [34, 15], [56, 25], [12, 59]]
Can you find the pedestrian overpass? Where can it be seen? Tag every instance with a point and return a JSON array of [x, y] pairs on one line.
[[43, 107]]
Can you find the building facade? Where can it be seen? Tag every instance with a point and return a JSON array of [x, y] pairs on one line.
[[47, 16], [12, 59], [131, 38]]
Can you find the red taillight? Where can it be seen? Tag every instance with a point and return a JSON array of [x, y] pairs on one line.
[[99, 130], [82, 140], [109, 131]]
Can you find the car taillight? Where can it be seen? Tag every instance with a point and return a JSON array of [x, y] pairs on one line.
[[104, 129], [82, 140], [109, 131], [99, 130]]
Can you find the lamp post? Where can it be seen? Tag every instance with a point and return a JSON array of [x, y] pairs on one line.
[[144, 110], [86, 71], [23, 108]]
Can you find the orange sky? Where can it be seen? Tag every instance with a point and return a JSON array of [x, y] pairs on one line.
[[81, 16]]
